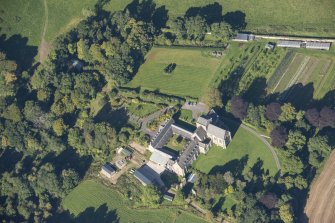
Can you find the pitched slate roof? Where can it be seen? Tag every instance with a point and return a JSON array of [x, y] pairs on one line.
[[180, 130], [147, 176], [200, 133], [242, 36], [188, 155], [216, 131], [203, 121], [163, 135]]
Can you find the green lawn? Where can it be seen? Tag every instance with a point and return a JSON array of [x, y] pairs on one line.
[[186, 115], [27, 17], [298, 17], [191, 77], [176, 145], [142, 109], [22, 17], [243, 144], [90, 194]]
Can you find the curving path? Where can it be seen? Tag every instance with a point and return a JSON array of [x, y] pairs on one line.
[[268, 145], [261, 137], [44, 46]]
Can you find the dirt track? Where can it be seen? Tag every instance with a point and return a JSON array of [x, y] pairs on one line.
[[320, 206]]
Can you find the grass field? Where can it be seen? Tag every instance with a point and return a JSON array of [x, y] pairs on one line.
[[243, 144], [194, 70], [27, 17], [186, 115], [298, 17], [313, 68], [90, 194]]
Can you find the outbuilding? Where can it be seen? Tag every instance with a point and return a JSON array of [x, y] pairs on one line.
[[168, 196], [290, 43], [318, 45], [107, 170], [244, 37]]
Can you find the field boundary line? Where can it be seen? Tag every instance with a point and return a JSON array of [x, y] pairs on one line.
[[324, 78], [46, 20], [295, 77], [282, 76]]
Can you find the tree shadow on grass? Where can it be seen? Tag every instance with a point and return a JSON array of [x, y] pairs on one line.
[[256, 91], [16, 48], [327, 100], [236, 20], [212, 12], [217, 207], [146, 10], [300, 96], [257, 184], [101, 215], [235, 166]]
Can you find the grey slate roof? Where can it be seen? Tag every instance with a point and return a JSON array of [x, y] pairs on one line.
[[148, 176], [189, 154], [162, 137], [203, 121], [216, 131], [201, 133], [179, 130], [242, 36]]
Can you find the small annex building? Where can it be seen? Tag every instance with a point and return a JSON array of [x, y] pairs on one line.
[[107, 170], [244, 37], [168, 196]]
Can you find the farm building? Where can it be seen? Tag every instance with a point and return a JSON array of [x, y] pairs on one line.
[[168, 196], [244, 37], [318, 45], [107, 170], [290, 43], [147, 176], [270, 46], [126, 151]]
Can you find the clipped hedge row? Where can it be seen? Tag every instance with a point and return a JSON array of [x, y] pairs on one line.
[[151, 96]]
